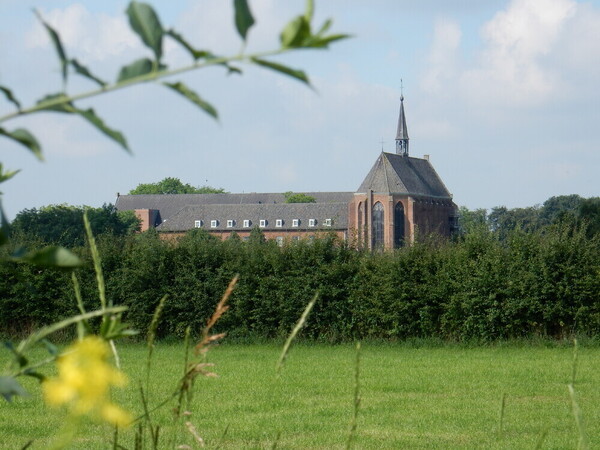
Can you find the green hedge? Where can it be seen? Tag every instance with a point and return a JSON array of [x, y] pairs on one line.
[[544, 283]]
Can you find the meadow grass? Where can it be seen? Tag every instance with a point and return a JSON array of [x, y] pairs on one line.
[[428, 397]]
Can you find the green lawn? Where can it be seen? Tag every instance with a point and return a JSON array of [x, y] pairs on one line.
[[446, 397]]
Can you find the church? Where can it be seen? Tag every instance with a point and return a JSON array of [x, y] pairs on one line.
[[401, 197]]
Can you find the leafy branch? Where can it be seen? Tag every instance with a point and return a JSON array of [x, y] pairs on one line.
[[144, 21]]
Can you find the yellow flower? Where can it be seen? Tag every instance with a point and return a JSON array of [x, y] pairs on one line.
[[84, 381]]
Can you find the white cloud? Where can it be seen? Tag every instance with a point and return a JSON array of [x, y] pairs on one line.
[[91, 36], [512, 67], [442, 56]]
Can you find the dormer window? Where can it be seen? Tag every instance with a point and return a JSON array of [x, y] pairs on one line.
[[214, 223], [327, 222], [197, 223], [295, 222], [312, 222], [247, 223], [262, 223], [279, 223], [230, 223]]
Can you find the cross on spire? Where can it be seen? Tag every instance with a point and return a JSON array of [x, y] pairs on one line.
[[402, 131]]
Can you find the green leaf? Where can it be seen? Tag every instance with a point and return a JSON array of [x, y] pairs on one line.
[[52, 349], [57, 45], [243, 17], [4, 176], [91, 117], [145, 23], [4, 227], [196, 54], [295, 33], [32, 373], [42, 333], [193, 97], [323, 42], [294, 73], [10, 387], [309, 10], [24, 137], [52, 102], [10, 97], [20, 358], [87, 114], [325, 27], [54, 257], [136, 69], [82, 70]]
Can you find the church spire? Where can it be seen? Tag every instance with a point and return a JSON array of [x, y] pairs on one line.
[[402, 133]]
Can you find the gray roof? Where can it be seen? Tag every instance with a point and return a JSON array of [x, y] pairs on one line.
[[170, 204], [185, 219], [397, 174]]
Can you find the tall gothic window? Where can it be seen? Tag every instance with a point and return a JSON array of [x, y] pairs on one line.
[[361, 212], [398, 225], [378, 226]]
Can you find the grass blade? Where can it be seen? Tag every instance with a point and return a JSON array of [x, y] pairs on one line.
[[583, 443], [357, 399], [299, 325]]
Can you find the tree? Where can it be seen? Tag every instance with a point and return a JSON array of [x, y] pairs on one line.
[[555, 208], [290, 197], [63, 224], [172, 185], [589, 214]]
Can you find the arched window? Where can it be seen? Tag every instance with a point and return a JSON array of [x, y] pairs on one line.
[[378, 226], [398, 225], [360, 225]]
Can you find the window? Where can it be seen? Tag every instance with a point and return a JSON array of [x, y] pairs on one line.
[[295, 238], [378, 226], [279, 223], [247, 223], [262, 223], [312, 222], [197, 223], [279, 240], [295, 222], [398, 225], [214, 223], [327, 222], [230, 223]]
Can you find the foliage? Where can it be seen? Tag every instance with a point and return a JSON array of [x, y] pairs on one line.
[[172, 185], [291, 197], [63, 224], [478, 287]]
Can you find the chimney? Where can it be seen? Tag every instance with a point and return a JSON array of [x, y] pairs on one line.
[[426, 157]]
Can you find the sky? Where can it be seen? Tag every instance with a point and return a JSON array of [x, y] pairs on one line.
[[502, 94]]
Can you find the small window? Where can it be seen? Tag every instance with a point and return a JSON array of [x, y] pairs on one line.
[[197, 223], [247, 223], [214, 223], [312, 222], [230, 223], [295, 222], [246, 238], [327, 222], [279, 240], [279, 223], [262, 223], [295, 238]]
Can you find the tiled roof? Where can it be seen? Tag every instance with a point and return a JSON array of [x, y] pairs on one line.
[[399, 174], [170, 204], [286, 212]]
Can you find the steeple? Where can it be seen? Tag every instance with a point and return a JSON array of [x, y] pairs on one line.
[[402, 133]]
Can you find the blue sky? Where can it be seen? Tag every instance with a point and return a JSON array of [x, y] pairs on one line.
[[503, 95]]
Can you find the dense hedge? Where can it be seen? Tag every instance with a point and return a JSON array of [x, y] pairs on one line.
[[543, 283]]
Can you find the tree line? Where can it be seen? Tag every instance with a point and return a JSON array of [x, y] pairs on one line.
[[486, 284]]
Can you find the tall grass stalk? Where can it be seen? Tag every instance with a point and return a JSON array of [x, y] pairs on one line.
[[575, 358], [583, 443], [501, 415], [297, 328], [357, 399], [152, 336]]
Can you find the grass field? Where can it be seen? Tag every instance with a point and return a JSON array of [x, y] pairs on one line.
[[432, 397]]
